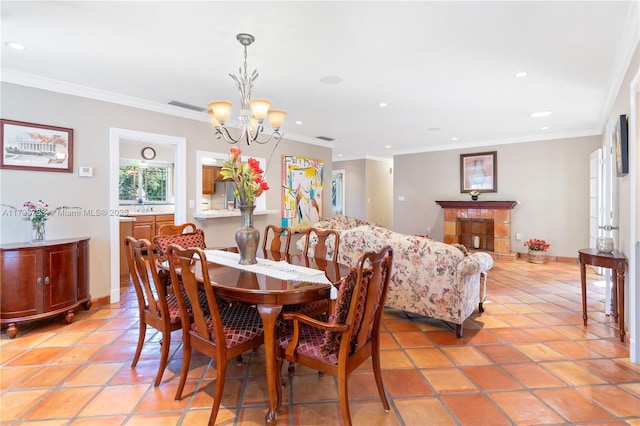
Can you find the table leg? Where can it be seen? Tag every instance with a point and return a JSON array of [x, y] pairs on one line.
[[583, 285], [269, 315], [620, 285], [614, 291]]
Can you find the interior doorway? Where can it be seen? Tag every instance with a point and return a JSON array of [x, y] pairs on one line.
[[337, 192], [116, 136]]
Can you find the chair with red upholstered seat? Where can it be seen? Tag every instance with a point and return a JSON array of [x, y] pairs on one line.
[[157, 308], [168, 229], [221, 335], [349, 336], [324, 242], [280, 238]]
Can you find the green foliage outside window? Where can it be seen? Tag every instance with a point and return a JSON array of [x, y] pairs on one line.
[[149, 183]]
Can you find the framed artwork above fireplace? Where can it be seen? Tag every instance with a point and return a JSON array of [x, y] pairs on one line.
[[479, 172]]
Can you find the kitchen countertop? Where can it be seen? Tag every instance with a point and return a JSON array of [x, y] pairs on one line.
[[132, 213], [213, 214]]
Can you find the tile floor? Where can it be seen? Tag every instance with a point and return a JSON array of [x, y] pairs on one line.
[[526, 360]]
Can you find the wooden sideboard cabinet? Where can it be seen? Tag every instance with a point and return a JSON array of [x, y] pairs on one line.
[[43, 280]]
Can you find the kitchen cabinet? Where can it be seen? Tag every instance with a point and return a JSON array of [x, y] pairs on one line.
[[147, 226], [163, 219], [210, 175], [44, 280], [144, 227], [126, 229]]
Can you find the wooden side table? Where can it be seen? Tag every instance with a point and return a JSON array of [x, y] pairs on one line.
[[617, 263]]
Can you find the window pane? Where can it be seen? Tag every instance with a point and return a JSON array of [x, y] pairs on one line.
[[128, 180], [155, 183]]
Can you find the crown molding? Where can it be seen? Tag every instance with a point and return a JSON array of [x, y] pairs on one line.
[[629, 43], [491, 142], [30, 80]]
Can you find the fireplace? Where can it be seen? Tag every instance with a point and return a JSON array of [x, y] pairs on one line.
[[486, 222]]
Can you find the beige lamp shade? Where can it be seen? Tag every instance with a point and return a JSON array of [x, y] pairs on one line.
[[276, 118], [221, 110], [260, 108], [254, 123], [213, 119]]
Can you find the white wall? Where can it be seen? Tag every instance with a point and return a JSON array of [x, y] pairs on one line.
[[549, 178], [91, 121]]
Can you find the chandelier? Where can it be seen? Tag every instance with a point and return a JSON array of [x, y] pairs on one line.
[[253, 112]]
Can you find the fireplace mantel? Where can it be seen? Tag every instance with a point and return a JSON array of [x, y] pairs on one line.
[[496, 205], [458, 214]]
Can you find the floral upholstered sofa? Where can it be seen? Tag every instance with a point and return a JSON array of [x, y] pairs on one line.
[[428, 277]]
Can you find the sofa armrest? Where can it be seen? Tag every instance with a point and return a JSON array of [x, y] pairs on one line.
[[475, 263]]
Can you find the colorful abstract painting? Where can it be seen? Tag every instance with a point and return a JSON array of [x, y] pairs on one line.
[[302, 188]]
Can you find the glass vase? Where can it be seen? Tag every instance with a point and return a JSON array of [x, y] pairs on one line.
[[38, 232], [247, 237]]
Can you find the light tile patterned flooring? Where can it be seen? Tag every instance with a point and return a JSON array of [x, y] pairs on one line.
[[526, 360]]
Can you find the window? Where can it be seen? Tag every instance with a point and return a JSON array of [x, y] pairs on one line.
[[145, 182]]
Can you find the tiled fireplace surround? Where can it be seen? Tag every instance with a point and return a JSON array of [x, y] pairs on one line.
[[465, 219]]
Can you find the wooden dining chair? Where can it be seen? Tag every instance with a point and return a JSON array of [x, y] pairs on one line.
[[156, 308], [188, 239], [323, 238], [168, 229], [221, 334], [279, 236], [347, 338]]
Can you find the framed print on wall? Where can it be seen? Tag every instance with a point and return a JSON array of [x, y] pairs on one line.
[[38, 147], [302, 191], [621, 141], [479, 172]]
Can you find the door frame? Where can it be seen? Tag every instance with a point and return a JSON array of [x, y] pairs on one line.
[[633, 281], [180, 190]]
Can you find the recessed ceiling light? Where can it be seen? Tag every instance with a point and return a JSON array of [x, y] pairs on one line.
[[545, 128], [331, 79], [298, 122], [15, 45], [387, 146], [454, 138], [520, 74], [382, 104], [540, 114], [339, 155]]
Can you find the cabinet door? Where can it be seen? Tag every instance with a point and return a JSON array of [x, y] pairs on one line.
[[144, 227], [164, 219], [20, 291], [83, 270], [60, 276], [217, 177], [208, 175]]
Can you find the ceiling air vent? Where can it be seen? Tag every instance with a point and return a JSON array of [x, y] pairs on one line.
[[187, 106], [325, 138]]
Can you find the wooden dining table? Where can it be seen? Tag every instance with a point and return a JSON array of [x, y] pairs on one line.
[[270, 295]]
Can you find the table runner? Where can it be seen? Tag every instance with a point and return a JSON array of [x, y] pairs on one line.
[[276, 269]]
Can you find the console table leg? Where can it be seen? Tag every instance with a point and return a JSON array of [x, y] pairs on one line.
[[620, 285], [69, 317], [583, 285]]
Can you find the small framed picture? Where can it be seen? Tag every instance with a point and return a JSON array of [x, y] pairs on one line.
[[479, 172], [38, 147]]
